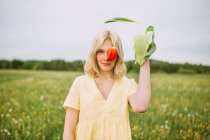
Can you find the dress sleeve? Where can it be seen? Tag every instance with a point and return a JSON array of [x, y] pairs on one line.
[[132, 87], [73, 97]]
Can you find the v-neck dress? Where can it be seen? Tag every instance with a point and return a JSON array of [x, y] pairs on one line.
[[100, 118]]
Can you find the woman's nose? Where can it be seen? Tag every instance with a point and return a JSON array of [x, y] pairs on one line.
[[105, 56]]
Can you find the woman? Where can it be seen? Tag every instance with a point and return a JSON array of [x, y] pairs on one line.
[[97, 103]]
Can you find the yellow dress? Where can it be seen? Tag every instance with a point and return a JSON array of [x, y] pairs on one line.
[[100, 118]]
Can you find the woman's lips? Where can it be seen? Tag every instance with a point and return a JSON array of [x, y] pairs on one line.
[[106, 64]]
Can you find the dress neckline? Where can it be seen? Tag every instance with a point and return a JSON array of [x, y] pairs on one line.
[[99, 91]]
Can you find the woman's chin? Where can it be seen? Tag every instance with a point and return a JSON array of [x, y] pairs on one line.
[[105, 69]]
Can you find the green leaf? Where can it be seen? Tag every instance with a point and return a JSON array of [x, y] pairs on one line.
[[151, 49], [119, 19], [150, 29], [141, 45]]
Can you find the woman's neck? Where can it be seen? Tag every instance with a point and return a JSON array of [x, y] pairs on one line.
[[106, 75]]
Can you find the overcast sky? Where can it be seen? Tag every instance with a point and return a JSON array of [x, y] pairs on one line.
[[64, 29]]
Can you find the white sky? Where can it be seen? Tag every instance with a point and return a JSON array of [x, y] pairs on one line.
[[64, 29]]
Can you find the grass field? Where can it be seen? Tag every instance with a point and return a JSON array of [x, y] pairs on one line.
[[31, 106]]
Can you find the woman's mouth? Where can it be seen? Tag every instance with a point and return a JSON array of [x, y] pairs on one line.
[[106, 64]]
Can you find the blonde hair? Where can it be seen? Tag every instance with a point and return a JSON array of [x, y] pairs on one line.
[[91, 68]]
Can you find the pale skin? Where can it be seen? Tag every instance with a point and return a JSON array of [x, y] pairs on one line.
[[139, 101]]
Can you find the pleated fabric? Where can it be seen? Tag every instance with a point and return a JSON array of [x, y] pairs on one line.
[[100, 118]]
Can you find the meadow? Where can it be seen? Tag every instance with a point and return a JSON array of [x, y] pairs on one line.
[[31, 106]]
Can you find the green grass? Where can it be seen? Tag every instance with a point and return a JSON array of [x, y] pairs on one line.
[[31, 106]]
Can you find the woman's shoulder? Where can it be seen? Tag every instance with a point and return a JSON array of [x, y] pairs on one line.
[[82, 78], [127, 80], [82, 81]]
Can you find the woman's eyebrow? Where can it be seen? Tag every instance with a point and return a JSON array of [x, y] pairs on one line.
[[99, 50]]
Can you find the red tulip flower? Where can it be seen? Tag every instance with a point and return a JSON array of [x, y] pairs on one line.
[[112, 53]]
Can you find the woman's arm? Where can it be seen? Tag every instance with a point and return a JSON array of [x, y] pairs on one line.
[[140, 101], [71, 120]]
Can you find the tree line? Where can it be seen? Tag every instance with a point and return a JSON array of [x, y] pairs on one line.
[[58, 64]]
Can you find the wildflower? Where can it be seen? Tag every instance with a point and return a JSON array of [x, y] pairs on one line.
[[41, 98], [10, 110]]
